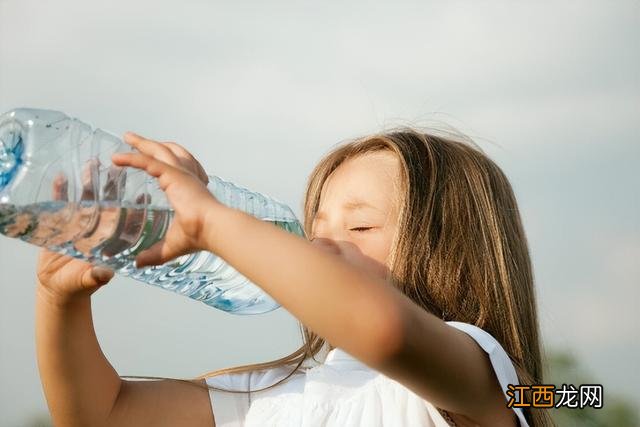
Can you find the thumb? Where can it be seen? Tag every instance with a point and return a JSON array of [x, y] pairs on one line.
[[95, 277], [157, 254]]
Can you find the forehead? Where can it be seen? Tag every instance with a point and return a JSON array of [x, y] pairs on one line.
[[372, 178]]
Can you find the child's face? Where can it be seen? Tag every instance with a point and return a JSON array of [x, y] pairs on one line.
[[358, 205]]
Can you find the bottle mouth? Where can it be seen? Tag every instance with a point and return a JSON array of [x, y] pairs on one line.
[[11, 150]]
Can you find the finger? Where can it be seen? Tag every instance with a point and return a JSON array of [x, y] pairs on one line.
[[198, 172], [188, 161], [138, 161], [88, 179], [114, 186], [326, 245], [157, 254], [152, 148], [353, 254], [201, 173], [177, 149], [143, 199], [60, 187], [95, 276], [154, 167], [45, 257]]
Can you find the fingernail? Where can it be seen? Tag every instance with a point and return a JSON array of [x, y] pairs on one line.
[[101, 273]]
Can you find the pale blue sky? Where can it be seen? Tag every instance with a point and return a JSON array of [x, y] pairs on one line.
[[258, 91]]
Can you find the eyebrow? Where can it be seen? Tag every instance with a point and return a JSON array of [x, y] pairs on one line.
[[349, 206]]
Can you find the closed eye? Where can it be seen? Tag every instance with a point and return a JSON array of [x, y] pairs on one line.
[[361, 229]]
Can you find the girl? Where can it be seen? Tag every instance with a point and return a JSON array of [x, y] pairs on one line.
[[417, 280]]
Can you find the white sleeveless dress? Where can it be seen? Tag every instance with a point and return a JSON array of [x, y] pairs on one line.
[[341, 392]]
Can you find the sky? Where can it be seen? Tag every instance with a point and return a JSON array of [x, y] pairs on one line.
[[259, 91]]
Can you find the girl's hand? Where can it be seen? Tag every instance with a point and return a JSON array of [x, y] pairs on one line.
[[186, 191], [171, 153], [61, 278], [353, 255]]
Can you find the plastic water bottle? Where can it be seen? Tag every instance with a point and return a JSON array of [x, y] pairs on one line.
[[59, 190]]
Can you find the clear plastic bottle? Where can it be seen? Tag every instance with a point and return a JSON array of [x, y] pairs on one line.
[[59, 190]]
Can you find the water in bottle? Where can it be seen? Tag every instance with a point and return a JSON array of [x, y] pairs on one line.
[[59, 190]]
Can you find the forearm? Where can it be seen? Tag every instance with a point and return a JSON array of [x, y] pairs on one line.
[[354, 310], [79, 383]]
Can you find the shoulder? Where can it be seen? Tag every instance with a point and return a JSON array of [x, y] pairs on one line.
[[232, 395], [482, 337], [499, 358], [253, 380], [501, 363]]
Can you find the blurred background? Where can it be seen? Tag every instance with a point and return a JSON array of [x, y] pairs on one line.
[[258, 91]]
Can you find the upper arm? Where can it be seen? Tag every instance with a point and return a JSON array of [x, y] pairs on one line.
[[162, 403], [446, 367]]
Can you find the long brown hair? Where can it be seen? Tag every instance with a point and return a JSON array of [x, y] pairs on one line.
[[460, 252]]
